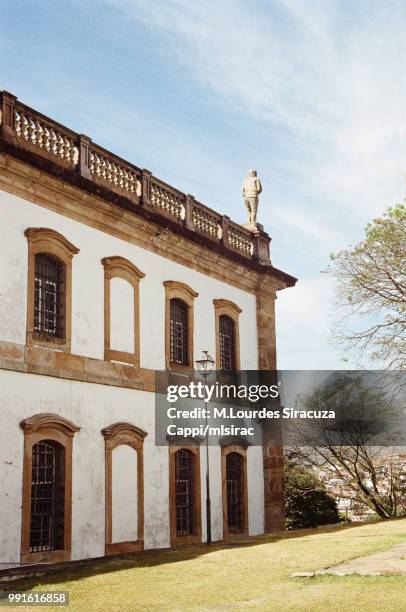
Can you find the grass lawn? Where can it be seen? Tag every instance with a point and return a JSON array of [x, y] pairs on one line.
[[243, 576]]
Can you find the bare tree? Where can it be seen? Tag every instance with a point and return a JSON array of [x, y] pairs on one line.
[[352, 455]]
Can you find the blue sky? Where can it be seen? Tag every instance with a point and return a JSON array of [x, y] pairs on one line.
[[311, 93]]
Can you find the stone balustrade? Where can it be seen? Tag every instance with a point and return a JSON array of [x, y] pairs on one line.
[[30, 130]]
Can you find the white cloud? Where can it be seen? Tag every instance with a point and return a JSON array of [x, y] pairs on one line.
[[334, 78], [331, 76], [321, 86], [304, 315]]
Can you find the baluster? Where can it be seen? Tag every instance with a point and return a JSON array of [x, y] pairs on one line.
[[127, 182], [61, 147], [103, 165], [120, 176], [91, 162], [24, 127], [67, 149], [132, 187], [47, 139], [53, 148], [108, 170], [97, 165], [116, 170], [18, 123], [40, 134], [74, 153], [32, 131]]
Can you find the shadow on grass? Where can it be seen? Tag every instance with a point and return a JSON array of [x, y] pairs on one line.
[[72, 571]]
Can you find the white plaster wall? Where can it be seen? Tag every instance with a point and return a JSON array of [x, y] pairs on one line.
[[124, 475], [255, 475], [13, 273], [93, 407], [121, 315], [88, 288]]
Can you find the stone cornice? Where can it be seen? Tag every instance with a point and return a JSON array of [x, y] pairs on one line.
[[221, 303], [43, 420], [124, 430], [120, 266], [39, 180], [182, 286], [40, 234]]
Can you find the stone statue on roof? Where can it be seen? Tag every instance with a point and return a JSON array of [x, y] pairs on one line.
[[251, 188]]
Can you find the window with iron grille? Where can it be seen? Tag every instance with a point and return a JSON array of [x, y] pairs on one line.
[[227, 344], [49, 296], [47, 496], [179, 332], [184, 492], [235, 492]]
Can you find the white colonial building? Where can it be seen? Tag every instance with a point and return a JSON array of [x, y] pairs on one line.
[[106, 275]]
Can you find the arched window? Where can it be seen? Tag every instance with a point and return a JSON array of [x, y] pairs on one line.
[[235, 492], [179, 334], [179, 307], [227, 335], [47, 488], [227, 343], [184, 492], [49, 296], [47, 496]]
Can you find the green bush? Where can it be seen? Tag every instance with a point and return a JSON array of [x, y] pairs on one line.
[[307, 503]]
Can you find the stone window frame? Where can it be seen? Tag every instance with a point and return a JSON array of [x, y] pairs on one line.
[[50, 242], [46, 426], [240, 447], [230, 309], [196, 537], [115, 435], [180, 291], [119, 267]]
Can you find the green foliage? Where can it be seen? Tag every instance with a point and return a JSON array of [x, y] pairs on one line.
[[371, 289], [307, 503]]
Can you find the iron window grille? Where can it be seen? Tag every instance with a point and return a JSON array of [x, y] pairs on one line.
[[227, 344], [47, 497], [184, 492], [49, 296], [235, 493], [179, 332]]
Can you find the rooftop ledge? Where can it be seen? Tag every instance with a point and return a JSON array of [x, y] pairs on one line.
[[75, 158]]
